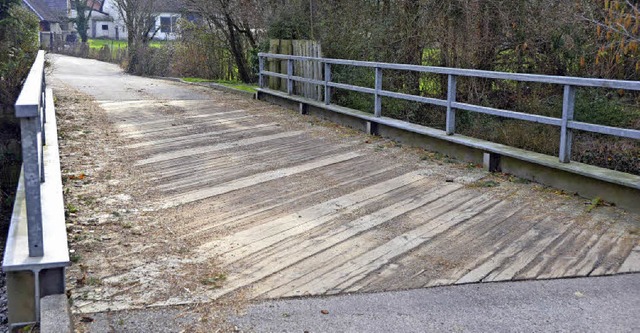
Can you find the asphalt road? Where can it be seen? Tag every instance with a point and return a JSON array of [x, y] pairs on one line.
[[600, 304]]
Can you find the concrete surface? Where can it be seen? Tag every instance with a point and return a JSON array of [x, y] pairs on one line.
[[602, 304], [55, 315], [156, 320]]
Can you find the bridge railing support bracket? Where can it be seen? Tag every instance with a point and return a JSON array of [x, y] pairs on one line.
[[303, 108], [372, 128], [491, 162]]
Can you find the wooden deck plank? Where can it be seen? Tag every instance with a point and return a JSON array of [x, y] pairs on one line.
[[182, 128], [226, 169], [632, 263], [293, 280], [528, 254], [259, 269], [143, 126], [357, 268], [244, 242], [213, 148], [271, 204], [263, 177], [171, 142]]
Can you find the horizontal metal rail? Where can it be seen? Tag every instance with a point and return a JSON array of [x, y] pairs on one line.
[[566, 123], [30, 109], [508, 114], [551, 79]]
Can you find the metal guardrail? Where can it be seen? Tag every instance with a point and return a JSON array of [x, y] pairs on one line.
[[567, 123], [30, 108], [33, 272]]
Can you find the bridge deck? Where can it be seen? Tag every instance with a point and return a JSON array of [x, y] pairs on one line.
[[285, 205]]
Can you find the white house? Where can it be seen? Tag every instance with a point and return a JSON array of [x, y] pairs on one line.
[[106, 21]]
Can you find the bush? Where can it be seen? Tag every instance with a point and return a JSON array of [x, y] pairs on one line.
[[18, 46], [154, 61]]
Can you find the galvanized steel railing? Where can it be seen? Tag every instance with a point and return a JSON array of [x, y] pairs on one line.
[[567, 123], [30, 108]]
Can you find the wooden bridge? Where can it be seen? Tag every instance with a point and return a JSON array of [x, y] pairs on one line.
[[224, 194]]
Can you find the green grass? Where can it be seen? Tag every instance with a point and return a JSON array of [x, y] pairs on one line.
[[231, 84], [114, 44], [196, 79]]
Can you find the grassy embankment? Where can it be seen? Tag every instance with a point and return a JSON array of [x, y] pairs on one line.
[[231, 84], [117, 44]]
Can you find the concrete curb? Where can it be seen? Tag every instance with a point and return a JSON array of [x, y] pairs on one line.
[[55, 315], [209, 85]]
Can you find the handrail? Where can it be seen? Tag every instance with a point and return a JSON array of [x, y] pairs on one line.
[[567, 123], [30, 108], [38, 211]]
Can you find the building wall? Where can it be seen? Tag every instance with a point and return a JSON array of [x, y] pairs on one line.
[[118, 23], [103, 29]]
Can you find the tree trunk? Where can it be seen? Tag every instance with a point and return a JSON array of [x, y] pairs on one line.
[[238, 52]]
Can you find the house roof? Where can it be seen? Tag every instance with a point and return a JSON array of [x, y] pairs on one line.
[[48, 10], [95, 4], [169, 6]]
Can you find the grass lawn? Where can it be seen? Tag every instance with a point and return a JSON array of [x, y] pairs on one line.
[[114, 44], [231, 84]]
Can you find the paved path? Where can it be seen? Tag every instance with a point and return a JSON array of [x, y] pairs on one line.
[[602, 304], [284, 205]]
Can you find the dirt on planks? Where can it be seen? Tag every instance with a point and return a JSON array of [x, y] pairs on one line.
[[112, 229]]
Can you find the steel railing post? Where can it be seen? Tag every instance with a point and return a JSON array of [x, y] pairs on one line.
[[289, 75], [260, 71], [451, 112], [378, 99], [566, 134], [327, 79]]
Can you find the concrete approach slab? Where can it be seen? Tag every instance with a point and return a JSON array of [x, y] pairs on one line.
[[221, 196], [601, 304]]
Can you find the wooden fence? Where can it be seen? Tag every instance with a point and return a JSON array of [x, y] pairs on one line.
[[305, 48]]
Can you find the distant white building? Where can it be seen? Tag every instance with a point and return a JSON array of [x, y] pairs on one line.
[[107, 23]]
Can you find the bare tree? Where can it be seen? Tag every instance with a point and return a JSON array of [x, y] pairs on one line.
[[233, 19], [139, 20], [84, 9]]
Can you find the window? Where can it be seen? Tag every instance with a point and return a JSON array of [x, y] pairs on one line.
[[105, 27], [165, 24], [168, 24]]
